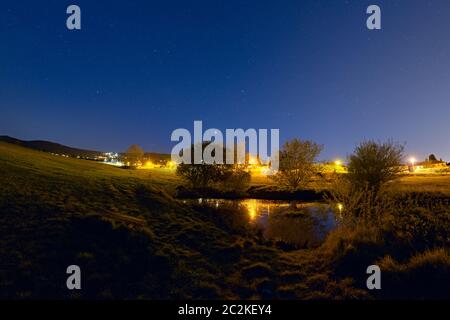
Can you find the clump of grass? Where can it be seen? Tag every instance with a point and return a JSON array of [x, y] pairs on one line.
[[344, 241], [424, 275], [391, 227], [257, 270]]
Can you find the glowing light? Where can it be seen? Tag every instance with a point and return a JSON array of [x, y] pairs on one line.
[[412, 160], [340, 207], [252, 160], [265, 171], [338, 162], [252, 208], [146, 165], [171, 164]]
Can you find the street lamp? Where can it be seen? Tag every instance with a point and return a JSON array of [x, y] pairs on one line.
[[412, 161]]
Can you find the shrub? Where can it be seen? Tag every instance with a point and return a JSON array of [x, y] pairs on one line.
[[235, 180], [373, 164], [133, 155], [200, 175], [227, 177], [220, 176], [361, 195], [296, 165], [359, 205]]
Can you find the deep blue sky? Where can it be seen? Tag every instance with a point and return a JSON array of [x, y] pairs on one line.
[[139, 69]]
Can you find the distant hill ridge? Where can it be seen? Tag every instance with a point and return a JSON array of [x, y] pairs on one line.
[[48, 146], [53, 147]]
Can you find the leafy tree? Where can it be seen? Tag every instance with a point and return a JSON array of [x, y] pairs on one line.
[[200, 175], [296, 163], [236, 179], [225, 176], [359, 196], [134, 155], [432, 158], [373, 164]]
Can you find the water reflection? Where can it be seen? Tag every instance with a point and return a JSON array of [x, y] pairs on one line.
[[301, 224], [252, 208]]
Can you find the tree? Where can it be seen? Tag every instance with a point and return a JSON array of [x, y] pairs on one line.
[[199, 175], [237, 179], [296, 163], [359, 196], [134, 155], [203, 175], [432, 158], [373, 164]]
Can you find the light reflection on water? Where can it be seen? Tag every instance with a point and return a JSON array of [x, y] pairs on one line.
[[300, 224]]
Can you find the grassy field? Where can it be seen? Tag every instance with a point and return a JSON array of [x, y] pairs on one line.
[[133, 239], [424, 183], [16, 158], [128, 234]]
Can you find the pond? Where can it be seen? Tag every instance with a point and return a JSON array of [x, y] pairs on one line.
[[300, 225]]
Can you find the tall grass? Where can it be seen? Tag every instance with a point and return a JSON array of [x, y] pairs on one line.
[[405, 233]]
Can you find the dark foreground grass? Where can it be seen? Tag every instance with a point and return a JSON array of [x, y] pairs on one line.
[[133, 239], [130, 237], [410, 243]]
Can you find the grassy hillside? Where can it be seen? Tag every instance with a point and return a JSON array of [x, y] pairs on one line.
[[133, 239], [126, 232]]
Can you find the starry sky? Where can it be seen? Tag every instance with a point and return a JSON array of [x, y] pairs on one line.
[[137, 70]]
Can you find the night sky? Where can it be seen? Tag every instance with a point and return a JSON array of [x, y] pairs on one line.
[[140, 69]]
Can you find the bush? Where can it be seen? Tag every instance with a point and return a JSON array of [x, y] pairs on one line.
[[361, 196], [373, 164], [207, 175], [235, 180], [296, 165], [360, 205], [200, 175], [220, 176], [134, 155]]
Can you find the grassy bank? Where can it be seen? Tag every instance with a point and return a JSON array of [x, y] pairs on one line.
[[133, 239], [130, 237]]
